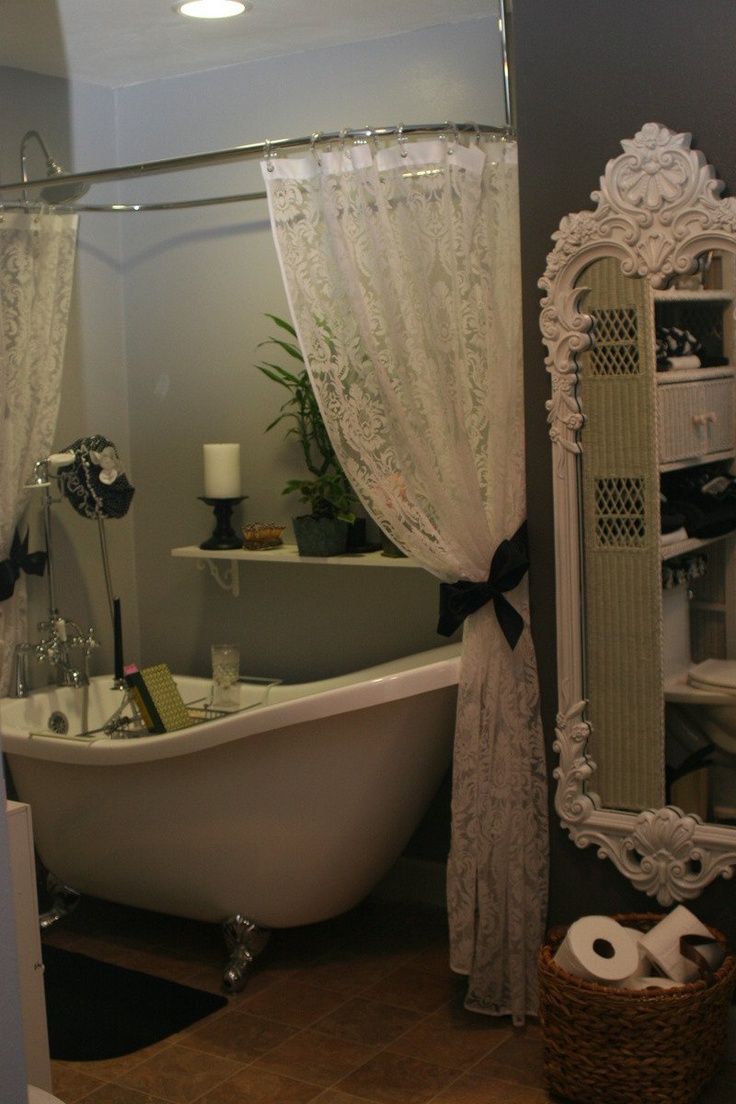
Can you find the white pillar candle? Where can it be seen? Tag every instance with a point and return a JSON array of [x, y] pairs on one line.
[[221, 471]]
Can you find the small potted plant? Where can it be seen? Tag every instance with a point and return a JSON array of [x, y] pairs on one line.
[[324, 530]]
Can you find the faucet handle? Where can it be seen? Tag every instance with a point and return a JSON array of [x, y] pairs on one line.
[[50, 649]]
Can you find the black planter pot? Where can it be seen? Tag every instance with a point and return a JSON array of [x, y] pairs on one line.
[[388, 548], [320, 536]]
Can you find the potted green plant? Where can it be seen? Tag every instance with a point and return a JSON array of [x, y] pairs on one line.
[[327, 492]]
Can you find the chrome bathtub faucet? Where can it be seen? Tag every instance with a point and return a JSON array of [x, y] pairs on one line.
[[61, 638]]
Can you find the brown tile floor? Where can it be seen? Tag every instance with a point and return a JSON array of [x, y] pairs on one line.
[[359, 1009]]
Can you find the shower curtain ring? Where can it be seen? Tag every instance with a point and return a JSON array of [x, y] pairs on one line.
[[455, 137], [477, 133], [400, 138], [347, 150], [268, 154], [313, 145]]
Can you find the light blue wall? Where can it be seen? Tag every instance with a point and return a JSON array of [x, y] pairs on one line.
[[197, 285], [166, 319], [77, 123], [78, 127]]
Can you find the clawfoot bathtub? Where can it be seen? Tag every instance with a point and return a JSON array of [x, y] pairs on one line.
[[286, 812]]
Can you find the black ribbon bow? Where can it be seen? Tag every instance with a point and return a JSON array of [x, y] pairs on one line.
[[508, 567], [20, 559]]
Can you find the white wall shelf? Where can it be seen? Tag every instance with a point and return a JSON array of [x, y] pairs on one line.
[[223, 566], [691, 544], [694, 295]]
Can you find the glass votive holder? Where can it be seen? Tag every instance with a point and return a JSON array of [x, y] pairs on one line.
[[225, 675]]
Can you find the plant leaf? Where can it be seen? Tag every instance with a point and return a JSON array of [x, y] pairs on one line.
[[292, 350], [282, 373], [282, 323]]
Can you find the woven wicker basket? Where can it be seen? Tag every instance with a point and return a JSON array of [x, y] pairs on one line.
[[621, 1046]]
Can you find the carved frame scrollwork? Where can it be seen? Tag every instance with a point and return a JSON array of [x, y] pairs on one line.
[[657, 209]]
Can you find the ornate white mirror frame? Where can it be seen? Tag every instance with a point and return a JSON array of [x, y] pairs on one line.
[[657, 210]]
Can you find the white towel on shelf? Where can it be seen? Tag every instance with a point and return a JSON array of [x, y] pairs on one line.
[[682, 363], [675, 536], [714, 674]]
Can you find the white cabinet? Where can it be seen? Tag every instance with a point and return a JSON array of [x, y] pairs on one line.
[[30, 962], [695, 416], [695, 408]]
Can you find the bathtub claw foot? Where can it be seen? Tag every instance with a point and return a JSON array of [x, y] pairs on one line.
[[64, 900], [245, 941]]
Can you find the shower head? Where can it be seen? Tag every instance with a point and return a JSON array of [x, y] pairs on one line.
[[62, 193], [52, 193]]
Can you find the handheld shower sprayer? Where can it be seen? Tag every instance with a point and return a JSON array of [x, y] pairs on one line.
[[53, 192], [44, 471], [89, 474], [61, 636]]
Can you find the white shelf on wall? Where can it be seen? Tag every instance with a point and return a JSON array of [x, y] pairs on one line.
[[702, 295], [223, 566], [692, 544]]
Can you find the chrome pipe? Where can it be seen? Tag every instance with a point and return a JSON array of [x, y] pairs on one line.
[[53, 613], [249, 152], [506, 62], [115, 208]]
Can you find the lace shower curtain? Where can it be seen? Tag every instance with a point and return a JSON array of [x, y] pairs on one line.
[[37, 254], [401, 266]]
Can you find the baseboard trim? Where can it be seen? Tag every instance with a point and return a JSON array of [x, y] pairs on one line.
[[416, 881]]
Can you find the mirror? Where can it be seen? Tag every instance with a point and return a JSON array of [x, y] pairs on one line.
[[638, 319]]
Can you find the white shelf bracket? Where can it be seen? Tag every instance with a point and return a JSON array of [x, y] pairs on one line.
[[225, 573]]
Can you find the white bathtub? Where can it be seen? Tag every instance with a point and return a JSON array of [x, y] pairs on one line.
[[286, 813]]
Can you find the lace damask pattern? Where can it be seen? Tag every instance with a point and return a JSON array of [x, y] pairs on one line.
[[37, 254], [401, 265], [498, 869]]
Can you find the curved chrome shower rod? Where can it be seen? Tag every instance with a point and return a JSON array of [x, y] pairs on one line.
[[269, 148]]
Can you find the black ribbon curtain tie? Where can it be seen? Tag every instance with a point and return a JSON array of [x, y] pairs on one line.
[[508, 567], [20, 559]]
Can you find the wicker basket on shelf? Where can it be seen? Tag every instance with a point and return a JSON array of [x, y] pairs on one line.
[[604, 1045]]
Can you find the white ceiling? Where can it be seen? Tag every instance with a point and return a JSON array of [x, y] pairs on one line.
[[120, 42]]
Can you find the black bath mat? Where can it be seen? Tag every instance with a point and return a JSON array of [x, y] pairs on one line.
[[96, 1010]]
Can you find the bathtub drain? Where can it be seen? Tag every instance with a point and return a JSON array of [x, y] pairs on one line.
[[58, 723]]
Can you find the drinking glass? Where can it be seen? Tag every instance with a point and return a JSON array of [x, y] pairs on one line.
[[225, 674]]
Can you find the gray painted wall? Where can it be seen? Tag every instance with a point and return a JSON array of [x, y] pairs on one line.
[[613, 67], [93, 399], [77, 124], [167, 315], [196, 288], [166, 319]]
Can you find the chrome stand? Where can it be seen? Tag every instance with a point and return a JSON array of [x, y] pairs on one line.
[[244, 941], [64, 900]]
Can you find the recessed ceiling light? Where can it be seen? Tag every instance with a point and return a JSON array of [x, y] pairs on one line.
[[213, 9]]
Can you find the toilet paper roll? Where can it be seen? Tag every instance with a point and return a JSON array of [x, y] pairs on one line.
[[713, 953], [661, 944], [598, 948], [649, 983], [644, 967]]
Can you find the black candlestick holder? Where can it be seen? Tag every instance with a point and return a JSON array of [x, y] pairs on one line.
[[223, 536]]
